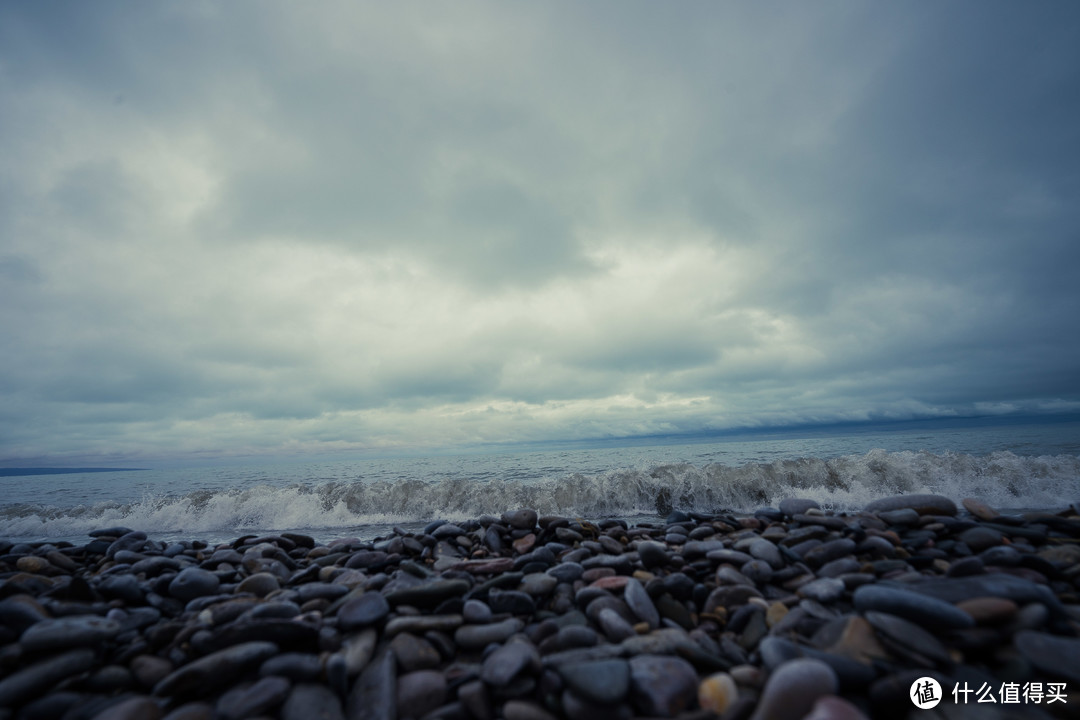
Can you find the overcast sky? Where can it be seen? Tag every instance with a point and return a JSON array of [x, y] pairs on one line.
[[276, 227]]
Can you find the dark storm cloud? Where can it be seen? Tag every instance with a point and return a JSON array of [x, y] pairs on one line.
[[260, 227]]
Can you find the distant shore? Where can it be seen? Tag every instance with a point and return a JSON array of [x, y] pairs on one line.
[[792, 612]]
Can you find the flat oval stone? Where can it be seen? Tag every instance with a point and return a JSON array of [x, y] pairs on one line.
[[602, 681], [922, 609], [43, 675], [1051, 654], [793, 688], [420, 692], [359, 612], [69, 632], [299, 667], [662, 686], [216, 670], [257, 699], [989, 610], [922, 504], [521, 519], [503, 665], [762, 549], [614, 626], [652, 554], [193, 583], [428, 594], [824, 590], [635, 596], [309, 701]]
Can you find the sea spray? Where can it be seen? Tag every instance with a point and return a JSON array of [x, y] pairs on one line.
[[1002, 479]]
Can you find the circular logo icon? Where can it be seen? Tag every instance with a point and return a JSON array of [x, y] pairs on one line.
[[925, 693]]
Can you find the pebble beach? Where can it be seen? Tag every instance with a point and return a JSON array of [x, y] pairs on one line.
[[787, 613]]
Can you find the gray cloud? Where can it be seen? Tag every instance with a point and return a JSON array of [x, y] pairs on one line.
[[264, 228]]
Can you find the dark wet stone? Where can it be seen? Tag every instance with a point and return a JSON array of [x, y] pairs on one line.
[[319, 590], [538, 584], [503, 665], [730, 596], [359, 612], [568, 637], [566, 572], [256, 699], [635, 596], [522, 519], [762, 549], [474, 637], [30, 681], [797, 506], [652, 554], [615, 627], [136, 708], [662, 686], [793, 688], [298, 667], [922, 609], [428, 594], [374, 696], [905, 516], [1017, 589], [414, 653], [603, 681], [513, 602], [121, 587], [980, 538], [420, 692], [420, 624], [309, 701], [259, 584], [78, 630], [193, 583], [476, 611], [525, 710], [922, 504], [829, 551], [907, 638], [209, 673], [133, 541], [476, 699], [287, 634], [824, 590], [1051, 654]]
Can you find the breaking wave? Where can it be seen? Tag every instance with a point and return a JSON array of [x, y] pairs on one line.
[[1001, 479]]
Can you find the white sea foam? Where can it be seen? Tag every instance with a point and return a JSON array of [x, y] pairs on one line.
[[1001, 479]]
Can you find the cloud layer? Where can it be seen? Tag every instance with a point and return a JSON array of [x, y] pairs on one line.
[[265, 227]]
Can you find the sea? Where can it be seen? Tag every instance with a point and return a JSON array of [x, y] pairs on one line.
[[1013, 467]]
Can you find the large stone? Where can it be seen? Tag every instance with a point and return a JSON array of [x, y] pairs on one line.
[[75, 631], [1051, 654], [793, 688], [30, 681], [662, 686], [635, 596], [420, 692], [922, 504], [374, 696], [212, 672], [253, 700], [503, 665], [309, 701], [359, 612], [921, 609], [476, 637], [193, 583], [602, 681], [521, 519]]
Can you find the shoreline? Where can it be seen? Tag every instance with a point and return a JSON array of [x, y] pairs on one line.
[[783, 613]]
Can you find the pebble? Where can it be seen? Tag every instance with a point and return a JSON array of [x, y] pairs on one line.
[[793, 688], [718, 692], [368, 609], [662, 686], [603, 681], [922, 609], [523, 616]]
